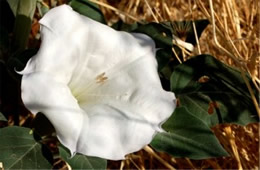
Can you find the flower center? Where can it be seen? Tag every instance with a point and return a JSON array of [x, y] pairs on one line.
[[101, 78]]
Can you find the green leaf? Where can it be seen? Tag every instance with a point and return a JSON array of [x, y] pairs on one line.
[[23, 7], [200, 27], [121, 26], [19, 150], [158, 32], [82, 162], [187, 136], [88, 9], [2, 117], [42, 8], [222, 98], [24, 11], [14, 5]]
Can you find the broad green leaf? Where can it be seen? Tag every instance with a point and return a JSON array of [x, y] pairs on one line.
[[187, 136], [81, 161], [158, 32], [23, 7], [24, 11], [213, 91], [200, 27], [13, 5], [19, 150], [121, 26], [2, 117], [88, 9]]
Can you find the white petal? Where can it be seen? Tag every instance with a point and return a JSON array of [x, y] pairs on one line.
[[42, 93], [99, 87], [125, 111]]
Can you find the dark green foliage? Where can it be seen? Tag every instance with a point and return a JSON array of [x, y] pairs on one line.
[[88, 9], [81, 161], [19, 150], [187, 136], [224, 86]]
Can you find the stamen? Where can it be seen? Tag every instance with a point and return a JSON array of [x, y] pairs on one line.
[[101, 78]]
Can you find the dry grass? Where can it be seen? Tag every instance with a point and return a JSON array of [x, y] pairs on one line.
[[232, 37]]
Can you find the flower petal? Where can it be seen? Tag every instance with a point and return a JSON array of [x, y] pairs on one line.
[[125, 111], [42, 93], [99, 87]]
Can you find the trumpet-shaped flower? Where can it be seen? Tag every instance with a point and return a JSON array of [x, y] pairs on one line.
[[98, 87]]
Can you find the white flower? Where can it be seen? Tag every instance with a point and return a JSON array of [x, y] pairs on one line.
[[98, 87]]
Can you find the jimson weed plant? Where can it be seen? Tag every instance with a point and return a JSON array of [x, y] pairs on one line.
[[108, 91]]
